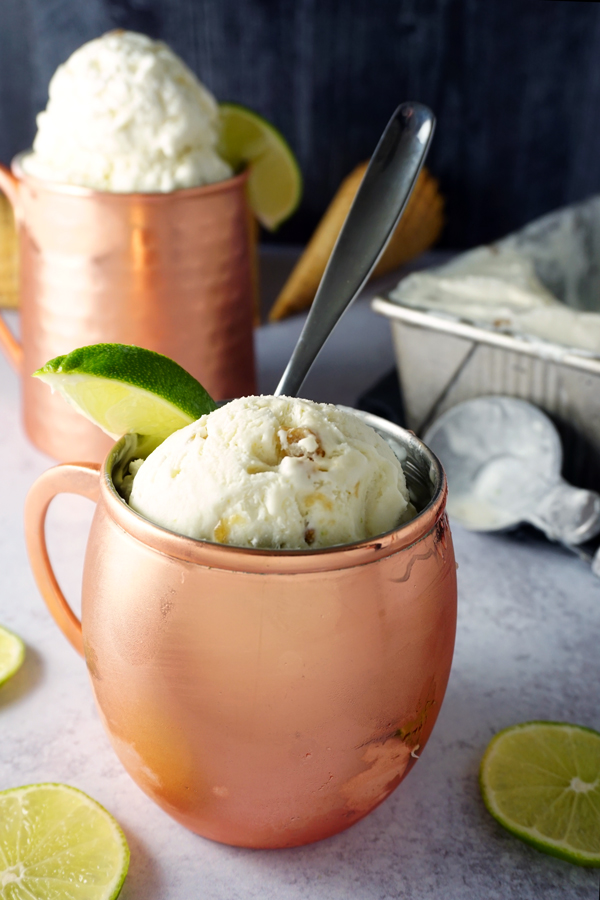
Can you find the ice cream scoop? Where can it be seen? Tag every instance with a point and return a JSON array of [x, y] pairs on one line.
[[503, 461], [125, 114], [274, 472]]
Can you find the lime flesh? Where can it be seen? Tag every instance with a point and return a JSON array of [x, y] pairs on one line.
[[56, 842], [541, 781], [274, 181], [127, 390], [12, 654]]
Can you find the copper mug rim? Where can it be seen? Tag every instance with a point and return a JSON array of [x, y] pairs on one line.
[[76, 190], [260, 560]]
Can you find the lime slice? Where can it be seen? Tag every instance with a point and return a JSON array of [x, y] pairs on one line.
[[55, 841], [127, 390], [12, 654], [541, 781], [275, 182]]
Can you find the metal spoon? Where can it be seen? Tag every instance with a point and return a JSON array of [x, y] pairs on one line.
[[374, 214]]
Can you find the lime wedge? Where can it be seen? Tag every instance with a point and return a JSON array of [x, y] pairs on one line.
[[275, 182], [55, 841], [541, 781], [127, 390], [12, 654]]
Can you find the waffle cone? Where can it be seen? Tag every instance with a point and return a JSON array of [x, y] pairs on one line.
[[9, 257], [418, 229]]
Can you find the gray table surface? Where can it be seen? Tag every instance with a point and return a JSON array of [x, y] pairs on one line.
[[527, 648]]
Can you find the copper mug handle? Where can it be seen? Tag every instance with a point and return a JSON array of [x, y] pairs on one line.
[[9, 185], [69, 478]]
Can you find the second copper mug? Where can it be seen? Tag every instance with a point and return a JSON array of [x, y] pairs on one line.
[[173, 272], [261, 698]]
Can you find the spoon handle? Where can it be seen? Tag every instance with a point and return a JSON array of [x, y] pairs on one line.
[[375, 212], [566, 513]]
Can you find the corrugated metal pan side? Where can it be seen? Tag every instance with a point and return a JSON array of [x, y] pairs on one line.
[[441, 364]]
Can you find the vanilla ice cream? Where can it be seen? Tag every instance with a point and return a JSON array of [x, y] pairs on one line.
[[498, 286], [273, 472], [125, 114]]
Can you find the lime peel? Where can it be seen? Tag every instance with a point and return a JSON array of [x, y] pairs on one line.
[[274, 180], [12, 654], [53, 834], [541, 781], [127, 389]]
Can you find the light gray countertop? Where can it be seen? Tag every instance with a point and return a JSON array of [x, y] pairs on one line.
[[527, 648]]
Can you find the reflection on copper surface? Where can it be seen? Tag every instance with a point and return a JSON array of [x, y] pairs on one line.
[[171, 272]]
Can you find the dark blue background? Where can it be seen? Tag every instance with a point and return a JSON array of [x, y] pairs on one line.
[[515, 85]]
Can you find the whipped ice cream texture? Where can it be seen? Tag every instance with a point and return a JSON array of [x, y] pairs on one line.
[[498, 286], [273, 472], [125, 114]]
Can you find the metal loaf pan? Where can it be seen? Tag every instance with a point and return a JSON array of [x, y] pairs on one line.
[[443, 359]]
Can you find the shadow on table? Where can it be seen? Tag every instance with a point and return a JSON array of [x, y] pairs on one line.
[[144, 880], [24, 680]]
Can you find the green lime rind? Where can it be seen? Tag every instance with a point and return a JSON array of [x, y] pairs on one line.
[[241, 155], [541, 781], [275, 180], [144, 369], [53, 834], [12, 654]]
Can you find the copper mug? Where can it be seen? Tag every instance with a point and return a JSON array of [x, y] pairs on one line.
[[261, 698], [172, 272]]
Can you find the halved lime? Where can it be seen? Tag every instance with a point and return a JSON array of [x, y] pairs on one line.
[[127, 390], [12, 654], [541, 781], [55, 841], [274, 182]]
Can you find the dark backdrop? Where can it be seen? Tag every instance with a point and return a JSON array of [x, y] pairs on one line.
[[515, 85]]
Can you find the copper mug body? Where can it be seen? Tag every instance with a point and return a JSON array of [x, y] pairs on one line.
[[172, 272], [261, 698]]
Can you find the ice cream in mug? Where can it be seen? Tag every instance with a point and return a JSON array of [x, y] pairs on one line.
[[125, 114], [273, 472], [132, 229]]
